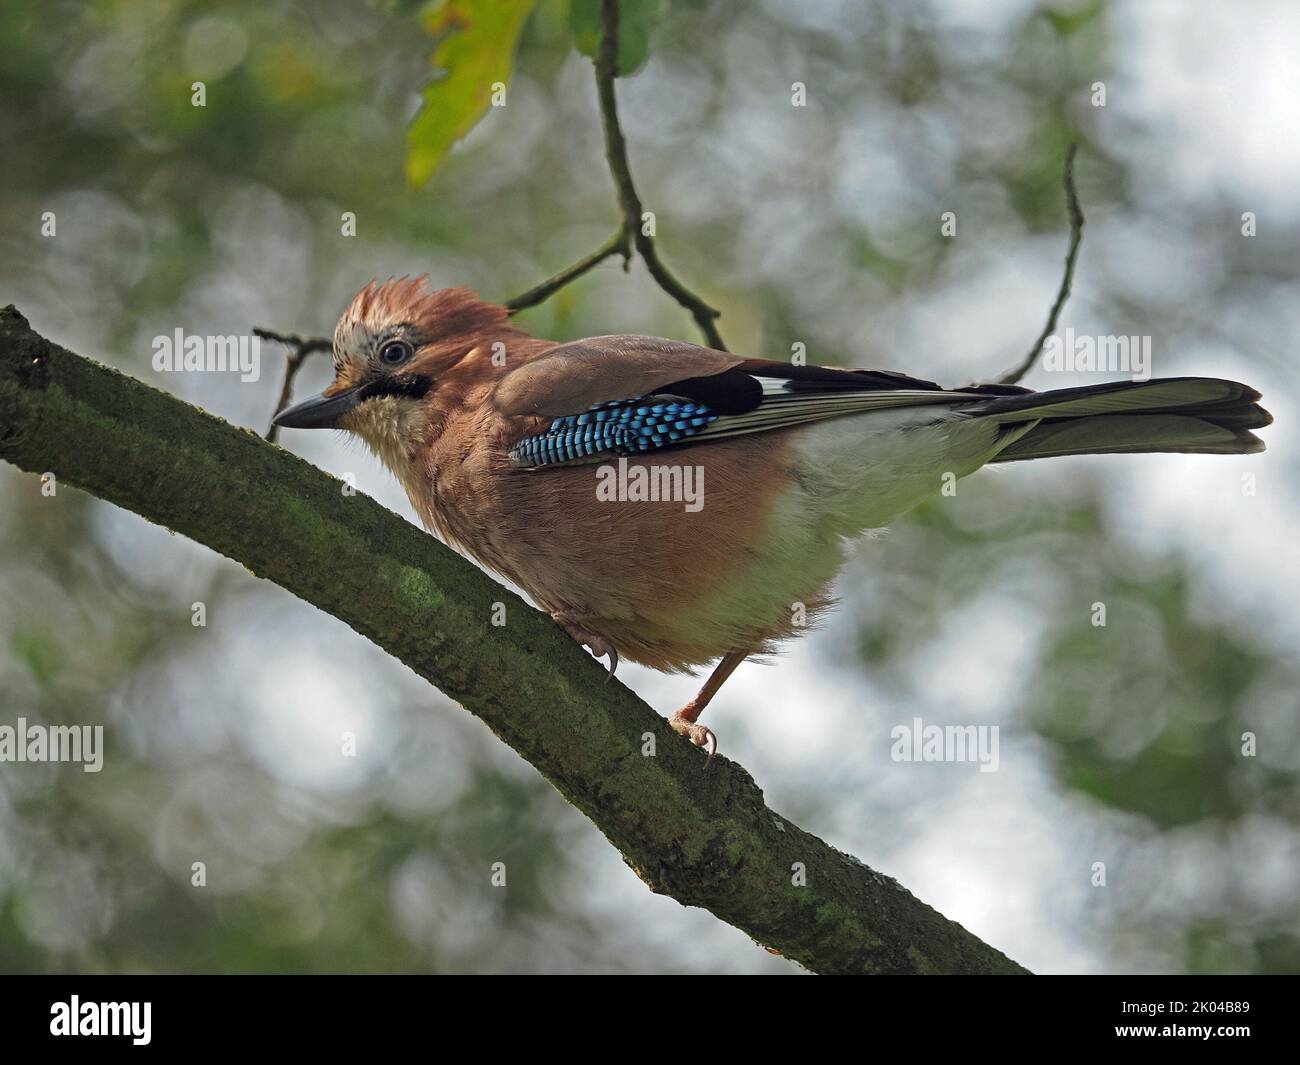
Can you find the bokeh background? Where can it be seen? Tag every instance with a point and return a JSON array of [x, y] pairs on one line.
[[817, 225]]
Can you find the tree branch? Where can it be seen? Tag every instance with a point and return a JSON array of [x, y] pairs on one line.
[[302, 347], [704, 837], [1063, 294]]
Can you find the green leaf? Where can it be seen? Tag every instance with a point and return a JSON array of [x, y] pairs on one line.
[[476, 43], [637, 19], [1068, 23]]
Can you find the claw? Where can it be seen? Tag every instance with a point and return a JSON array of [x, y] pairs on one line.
[[700, 735], [598, 645], [713, 744], [601, 648]]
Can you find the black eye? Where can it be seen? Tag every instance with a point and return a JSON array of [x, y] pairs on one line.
[[395, 352]]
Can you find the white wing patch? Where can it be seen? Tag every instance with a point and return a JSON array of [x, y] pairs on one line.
[[781, 406]]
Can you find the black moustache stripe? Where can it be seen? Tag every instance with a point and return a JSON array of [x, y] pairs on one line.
[[407, 386]]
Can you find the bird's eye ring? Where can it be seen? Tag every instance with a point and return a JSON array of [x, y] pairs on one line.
[[395, 352]]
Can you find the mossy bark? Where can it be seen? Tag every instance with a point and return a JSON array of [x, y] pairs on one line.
[[703, 836]]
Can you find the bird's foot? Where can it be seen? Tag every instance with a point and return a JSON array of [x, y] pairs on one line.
[[684, 724], [598, 645]]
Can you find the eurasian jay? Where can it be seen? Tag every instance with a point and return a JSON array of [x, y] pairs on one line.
[[506, 443]]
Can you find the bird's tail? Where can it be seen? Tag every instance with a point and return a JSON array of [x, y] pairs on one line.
[[1177, 414]]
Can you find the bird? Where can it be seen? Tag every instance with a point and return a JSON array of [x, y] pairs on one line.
[[677, 505]]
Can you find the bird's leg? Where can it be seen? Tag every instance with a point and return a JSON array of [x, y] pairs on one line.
[[684, 721], [599, 646]]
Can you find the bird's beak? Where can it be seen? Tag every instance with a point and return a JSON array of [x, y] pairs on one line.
[[319, 412]]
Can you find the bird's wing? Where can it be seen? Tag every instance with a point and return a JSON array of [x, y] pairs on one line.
[[572, 378], [627, 395]]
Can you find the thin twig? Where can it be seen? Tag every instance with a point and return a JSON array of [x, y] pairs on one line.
[[300, 347], [1076, 238], [619, 244], [631, 233], [629, 201]]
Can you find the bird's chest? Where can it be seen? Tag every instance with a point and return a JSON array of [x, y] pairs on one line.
[[637, 545]]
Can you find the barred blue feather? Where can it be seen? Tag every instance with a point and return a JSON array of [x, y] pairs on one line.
[[618, 427]]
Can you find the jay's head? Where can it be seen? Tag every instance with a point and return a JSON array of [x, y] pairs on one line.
[[403, 352]]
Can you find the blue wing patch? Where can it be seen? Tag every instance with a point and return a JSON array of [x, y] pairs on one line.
[[619, 427]]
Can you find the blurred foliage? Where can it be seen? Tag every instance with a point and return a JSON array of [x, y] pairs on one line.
[[637, 20], [817, 226]]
